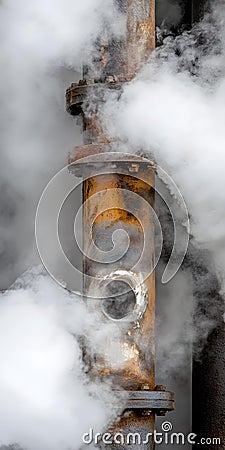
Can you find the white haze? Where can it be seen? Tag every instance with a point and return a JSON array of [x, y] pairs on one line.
[[46, 401], [43, 44], [38, 39], [179, 119], [175, 111]]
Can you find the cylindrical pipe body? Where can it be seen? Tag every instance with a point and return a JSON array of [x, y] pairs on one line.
[[110, 202], [140, 33], [120, 200]]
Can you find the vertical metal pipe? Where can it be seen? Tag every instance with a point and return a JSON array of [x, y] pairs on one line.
[[137, 343], [107, 211], [140, 33], [208, 382], [107, 208], [198, 9]]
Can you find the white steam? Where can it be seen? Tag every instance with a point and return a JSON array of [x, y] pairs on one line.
[[46, 402], [46, 399], [179, 119], [175, 112], [42, 44]]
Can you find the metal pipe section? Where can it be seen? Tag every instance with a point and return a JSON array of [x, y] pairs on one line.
[[114, 187], [127, 297], [140, 34]]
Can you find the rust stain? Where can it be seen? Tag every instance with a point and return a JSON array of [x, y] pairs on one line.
[[86, 150], [140, 34], [138, 370], [105, 205]]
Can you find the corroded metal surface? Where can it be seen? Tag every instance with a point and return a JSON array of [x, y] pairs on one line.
[[141, 33], [97, 150], [154, 400], [87, 150], [107, 208], [134, 431], [105, 217], [78, 93], [119, 62]]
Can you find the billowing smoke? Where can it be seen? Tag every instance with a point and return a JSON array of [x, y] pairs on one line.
[[42, 44], [46, 401], [174, 111]]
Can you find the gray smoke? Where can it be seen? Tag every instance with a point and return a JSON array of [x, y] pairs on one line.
[[174, 112], [46, 399], [169, 12], [43, 45]]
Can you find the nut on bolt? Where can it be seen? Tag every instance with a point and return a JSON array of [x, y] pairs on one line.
[[161, 412], [160, 387]]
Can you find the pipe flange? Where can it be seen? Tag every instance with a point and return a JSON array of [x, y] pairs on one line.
[[77, 94], [158, 401]]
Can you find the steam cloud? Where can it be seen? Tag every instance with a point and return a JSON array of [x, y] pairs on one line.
[[46, 401], [175, 115], [42, 44], [174, 111]]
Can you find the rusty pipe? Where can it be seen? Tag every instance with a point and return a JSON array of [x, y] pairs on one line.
[[106, 209]]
